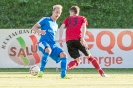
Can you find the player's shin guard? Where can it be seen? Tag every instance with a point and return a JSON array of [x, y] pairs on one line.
[[63, 67], [72, 64], [44, 61], [96, 65]]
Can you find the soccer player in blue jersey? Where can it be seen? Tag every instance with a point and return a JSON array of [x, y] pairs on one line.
[[47, 27]]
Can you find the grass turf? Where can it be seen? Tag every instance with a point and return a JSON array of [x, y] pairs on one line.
[[80, 78]]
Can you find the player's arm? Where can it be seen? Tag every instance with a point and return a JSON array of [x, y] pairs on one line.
[[62, 27], [83, 30], [83, 34], [36, 28]]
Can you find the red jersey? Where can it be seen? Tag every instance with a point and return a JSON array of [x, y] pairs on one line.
[[73, 26]]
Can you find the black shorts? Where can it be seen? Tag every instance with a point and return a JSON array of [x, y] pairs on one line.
[[74, 46]]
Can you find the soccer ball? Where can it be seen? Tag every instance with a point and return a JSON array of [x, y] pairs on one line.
[[34, 70]]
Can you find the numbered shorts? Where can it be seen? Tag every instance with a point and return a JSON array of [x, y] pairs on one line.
[[55, 54]]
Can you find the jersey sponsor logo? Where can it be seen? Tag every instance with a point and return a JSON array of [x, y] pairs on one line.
[[50, 30]]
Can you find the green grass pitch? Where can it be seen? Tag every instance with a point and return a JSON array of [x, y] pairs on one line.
[[79, 78]]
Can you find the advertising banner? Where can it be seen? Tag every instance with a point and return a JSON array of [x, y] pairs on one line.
[[113, 48]]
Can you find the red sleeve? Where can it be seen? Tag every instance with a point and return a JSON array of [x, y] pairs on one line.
[[85, 21], [65, 22]]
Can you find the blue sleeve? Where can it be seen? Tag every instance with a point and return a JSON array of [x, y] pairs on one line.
[[42, 21]]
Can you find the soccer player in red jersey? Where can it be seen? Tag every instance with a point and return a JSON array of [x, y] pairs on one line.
[[75, 32]]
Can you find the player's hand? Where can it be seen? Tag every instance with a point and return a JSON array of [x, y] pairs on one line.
[[83, 42], [42, 32], [61, 44]]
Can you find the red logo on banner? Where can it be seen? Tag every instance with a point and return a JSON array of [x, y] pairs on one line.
[[113, 40]]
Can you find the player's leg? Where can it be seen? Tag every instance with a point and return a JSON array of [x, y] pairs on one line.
[[94, 61], [46, 50], [74, 53], [59, 56], [63, 58], [96, 65], [73, 64], [45, 58]]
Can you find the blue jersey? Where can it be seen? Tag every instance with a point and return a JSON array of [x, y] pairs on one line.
[[46, 23]]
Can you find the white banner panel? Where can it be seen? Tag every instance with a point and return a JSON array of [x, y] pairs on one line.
[[113, 48]]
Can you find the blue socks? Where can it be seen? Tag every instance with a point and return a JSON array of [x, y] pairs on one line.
[[44, 61], [63, 64], [63, 67]]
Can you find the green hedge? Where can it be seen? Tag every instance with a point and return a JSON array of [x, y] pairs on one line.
[[99, 13]]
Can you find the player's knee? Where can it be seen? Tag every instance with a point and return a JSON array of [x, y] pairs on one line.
[[48, 50], [91, 58], [63, 55], [78, 60], [88, 56]]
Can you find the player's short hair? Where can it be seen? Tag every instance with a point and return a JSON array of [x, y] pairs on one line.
[[57, 6], [75, 9]]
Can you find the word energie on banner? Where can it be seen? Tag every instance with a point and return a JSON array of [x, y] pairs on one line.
[[114, 40]]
